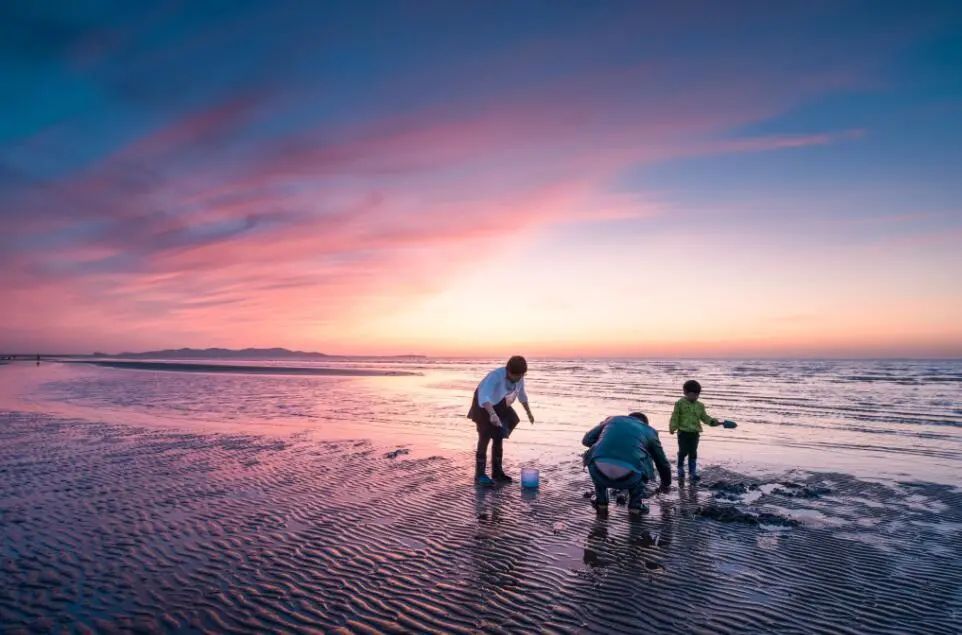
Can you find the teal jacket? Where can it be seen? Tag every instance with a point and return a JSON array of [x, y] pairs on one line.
[[631, 443]]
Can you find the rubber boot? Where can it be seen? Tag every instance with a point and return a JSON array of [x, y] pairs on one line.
[[681, 469], [479, 476], [693, 470], [601, 497], [497, 469], [635, 501]]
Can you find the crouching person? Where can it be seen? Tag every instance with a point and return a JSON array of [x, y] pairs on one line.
[[623, 454]]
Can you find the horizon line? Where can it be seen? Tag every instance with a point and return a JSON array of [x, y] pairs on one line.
[[556, 357]]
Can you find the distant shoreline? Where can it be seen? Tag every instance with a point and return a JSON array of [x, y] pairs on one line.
[[479, 358], [535, 359], [244, 354], [187, 367]]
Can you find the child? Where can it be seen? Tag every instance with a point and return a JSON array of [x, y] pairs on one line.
[[686, 420], [494, 417], [620, 457]]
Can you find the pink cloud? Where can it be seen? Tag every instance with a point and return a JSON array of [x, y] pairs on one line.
[[314, 226], [783, 142]]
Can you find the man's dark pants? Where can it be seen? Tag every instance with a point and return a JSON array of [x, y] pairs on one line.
[[635, 484]]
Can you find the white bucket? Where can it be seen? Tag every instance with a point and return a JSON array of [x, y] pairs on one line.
[[529, 477]]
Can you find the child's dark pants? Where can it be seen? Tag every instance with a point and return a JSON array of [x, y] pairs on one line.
[[687, 447]]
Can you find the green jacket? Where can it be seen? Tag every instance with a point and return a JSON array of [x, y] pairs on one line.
[[628, 442], [688, 416]]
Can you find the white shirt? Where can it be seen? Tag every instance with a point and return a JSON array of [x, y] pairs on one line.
[[496, 386]]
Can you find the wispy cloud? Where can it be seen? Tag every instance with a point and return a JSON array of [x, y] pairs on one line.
[[788, 142], [206, 173]]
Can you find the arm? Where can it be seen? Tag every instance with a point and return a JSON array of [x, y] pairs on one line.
[[594, 434], [673, 424], [661, 461], [486, 396], [523, 398], [486, 390], [527, 409], [703, 415], [495, 419]]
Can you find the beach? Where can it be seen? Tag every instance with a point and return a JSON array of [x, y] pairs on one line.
[[156, 500]]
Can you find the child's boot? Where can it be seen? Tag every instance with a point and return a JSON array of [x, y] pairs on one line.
[[681, 469], [693, 470]]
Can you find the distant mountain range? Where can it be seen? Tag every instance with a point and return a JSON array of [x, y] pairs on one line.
[[244, 354]]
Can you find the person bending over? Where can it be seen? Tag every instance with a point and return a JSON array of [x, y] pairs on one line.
[[623, 455], [494, 417]]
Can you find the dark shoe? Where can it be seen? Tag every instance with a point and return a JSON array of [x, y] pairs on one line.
[[601, 497], [637, 510], [483, 481], [501, 477], [695, 478]]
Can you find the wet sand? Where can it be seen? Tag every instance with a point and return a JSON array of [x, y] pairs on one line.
[[111, 526]]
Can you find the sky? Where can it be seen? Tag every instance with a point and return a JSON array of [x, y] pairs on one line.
[[483, 178]]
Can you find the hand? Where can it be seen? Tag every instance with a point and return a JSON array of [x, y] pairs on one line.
[[495, 420], [715, 422], [531, 418], [671, 432]]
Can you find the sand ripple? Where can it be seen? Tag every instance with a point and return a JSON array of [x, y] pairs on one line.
[[114, 528]]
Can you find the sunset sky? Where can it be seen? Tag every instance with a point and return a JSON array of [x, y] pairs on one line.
[[481, 178]]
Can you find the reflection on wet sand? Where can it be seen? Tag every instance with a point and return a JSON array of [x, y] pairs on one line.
[[111, 525]]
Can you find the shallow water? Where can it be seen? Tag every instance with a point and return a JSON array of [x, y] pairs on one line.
[[897, 419], [164, 501]]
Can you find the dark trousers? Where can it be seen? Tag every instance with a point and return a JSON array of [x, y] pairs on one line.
[[687, 447], [634, 483], [487, 432]]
